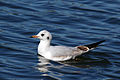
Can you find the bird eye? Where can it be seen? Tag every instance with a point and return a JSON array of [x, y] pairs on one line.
[[48, 38], [42, 34]]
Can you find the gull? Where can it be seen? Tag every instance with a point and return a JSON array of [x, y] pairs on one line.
[[60, 53]]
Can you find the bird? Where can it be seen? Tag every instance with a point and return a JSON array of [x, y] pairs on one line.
[[60, 53]]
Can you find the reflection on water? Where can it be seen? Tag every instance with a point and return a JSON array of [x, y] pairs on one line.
[[43, 64], [73, 67], [79, 62]]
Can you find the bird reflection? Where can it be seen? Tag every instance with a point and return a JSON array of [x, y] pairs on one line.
[[79, 62]]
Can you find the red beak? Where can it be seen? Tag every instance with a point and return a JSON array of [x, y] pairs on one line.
[[34, 36]]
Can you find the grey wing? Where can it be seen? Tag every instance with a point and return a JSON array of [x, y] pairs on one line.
[[59, 51]]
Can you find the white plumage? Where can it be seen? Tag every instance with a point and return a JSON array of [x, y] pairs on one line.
[[59, 53]]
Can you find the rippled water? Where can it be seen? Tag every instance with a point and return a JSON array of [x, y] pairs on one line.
[[71, 23]]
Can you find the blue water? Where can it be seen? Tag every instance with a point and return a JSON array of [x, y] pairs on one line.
[[72, 23]]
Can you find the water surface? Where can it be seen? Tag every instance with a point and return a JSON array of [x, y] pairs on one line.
[[71, 23]]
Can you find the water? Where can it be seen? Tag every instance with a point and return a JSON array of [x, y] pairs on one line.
[[71, 23]]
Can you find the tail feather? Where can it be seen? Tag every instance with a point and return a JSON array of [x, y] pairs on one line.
[[94, 45]]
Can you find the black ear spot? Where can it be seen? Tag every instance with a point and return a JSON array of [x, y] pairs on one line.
[[48, 38], [42, 34]]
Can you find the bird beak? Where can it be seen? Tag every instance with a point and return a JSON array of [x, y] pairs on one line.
[[34, 36]]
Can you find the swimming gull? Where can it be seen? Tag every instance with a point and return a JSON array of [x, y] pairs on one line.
[[60, 53]]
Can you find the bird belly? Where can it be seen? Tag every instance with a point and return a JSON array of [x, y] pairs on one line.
[[48, 55], [61, 58]]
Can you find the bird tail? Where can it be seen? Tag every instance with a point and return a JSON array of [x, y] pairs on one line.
[[94, 45]]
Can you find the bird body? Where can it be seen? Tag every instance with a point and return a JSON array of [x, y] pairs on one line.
[[59, 53]]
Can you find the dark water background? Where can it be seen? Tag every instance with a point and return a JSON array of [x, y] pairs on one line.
[[72, 23]]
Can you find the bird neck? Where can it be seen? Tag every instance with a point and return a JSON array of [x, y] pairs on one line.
[[44, 45]]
